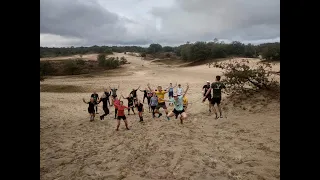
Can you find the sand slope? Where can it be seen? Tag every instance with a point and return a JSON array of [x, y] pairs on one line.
[[244, 145]]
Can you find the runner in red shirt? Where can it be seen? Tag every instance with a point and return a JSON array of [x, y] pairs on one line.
[[116, 102], [121, 114]]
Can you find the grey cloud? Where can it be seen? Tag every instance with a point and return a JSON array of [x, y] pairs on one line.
[[81, 19], [225, 19], [186, 20]]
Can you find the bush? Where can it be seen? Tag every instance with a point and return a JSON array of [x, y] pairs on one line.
[[242, 77], [46, 68], [80, 62], [101, 59], [71, 67], [112, 63], [271, 52], [168, 55], [123, 60], [143, 54]]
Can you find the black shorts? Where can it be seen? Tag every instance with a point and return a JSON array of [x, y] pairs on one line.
[[170, 94], [177, 112], [121, 117], [91, 111], [114, 96], [148, 98], [215, 100], [153, 107], [161, 105], [130, 105]]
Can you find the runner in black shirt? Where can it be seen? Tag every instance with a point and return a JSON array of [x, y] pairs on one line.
[[140, 110], [130, 103], [205, 88], [105, 108], [95, 97], [145, 94], [90, 108], [134, 95]]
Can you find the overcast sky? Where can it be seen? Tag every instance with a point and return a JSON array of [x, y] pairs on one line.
[[167, 22]]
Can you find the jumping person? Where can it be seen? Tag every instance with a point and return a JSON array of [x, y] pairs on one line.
[[145, 94], [90, 108], [185, 103], [116, 102], [149, 95], [216, 95], [140, 110], [205, 89], [161, 103], [178, 106], [121, 115], [105, 108], [95, 97], [153, 103], [179, 89], [113, 92], [108, 94], [171, 92], [130, 103], [134, 95]]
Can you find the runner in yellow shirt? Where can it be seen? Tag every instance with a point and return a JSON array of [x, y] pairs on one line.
[[161, 102], [185, 103]]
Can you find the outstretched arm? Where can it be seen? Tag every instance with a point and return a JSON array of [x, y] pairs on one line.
[[209, 90], [175, 85], [85, 101], [138, 88], [186, 90], [122, 96], [149, 87]]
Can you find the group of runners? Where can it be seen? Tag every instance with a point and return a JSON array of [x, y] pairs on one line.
[[155, 100]]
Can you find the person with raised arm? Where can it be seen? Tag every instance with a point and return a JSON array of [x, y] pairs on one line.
[[113, 92], [121, 115], [91, 108], [161, 103], [178, 106]]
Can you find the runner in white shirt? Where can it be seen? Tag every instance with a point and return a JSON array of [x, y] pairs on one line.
[[179, 89]]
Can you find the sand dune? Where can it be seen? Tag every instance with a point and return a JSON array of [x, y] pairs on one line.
[[243, 145]]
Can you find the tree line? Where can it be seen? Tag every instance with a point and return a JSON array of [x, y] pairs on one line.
[[189, 51]]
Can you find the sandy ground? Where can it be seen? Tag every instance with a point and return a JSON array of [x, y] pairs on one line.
[[245, 144]]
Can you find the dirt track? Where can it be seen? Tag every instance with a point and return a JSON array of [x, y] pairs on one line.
[[243, 145]]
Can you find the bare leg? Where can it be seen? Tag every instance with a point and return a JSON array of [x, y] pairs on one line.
[[126, 123], [91, 116], [220, 111], [118, 125], [183, 117], [171, 114], [214, 110]]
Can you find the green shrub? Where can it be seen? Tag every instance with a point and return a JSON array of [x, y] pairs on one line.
[[101, 59], [123, 60], [46, 68], [71, 67], [80, 62], [241, 76]]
